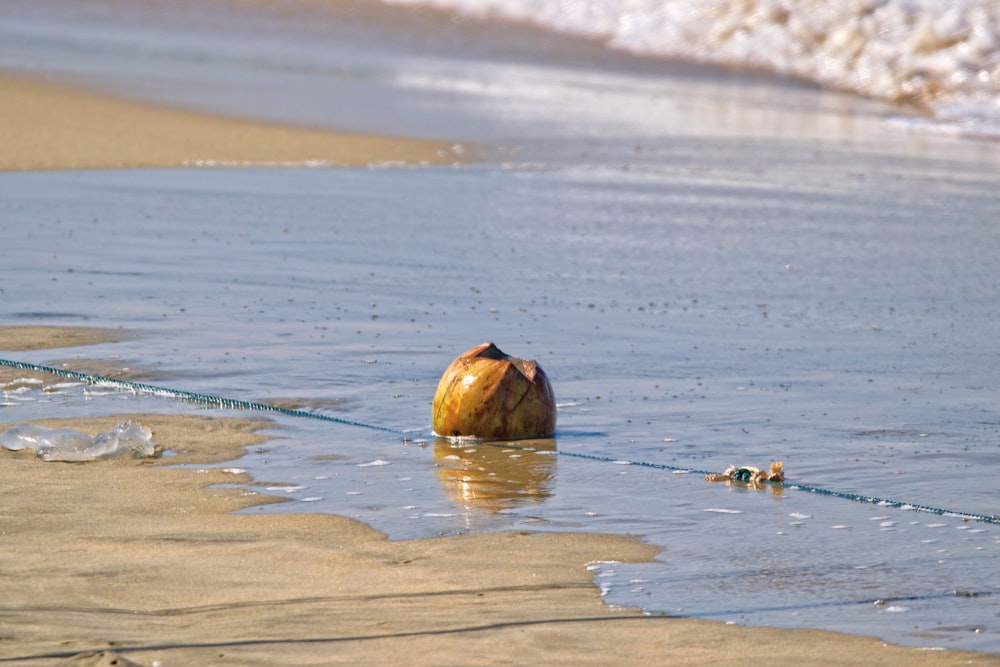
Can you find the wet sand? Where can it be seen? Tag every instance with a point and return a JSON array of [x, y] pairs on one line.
[[55, 126], [139, 562]]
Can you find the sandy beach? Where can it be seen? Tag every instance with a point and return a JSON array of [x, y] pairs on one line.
[[166, 562], [38, 131], [140, 562]]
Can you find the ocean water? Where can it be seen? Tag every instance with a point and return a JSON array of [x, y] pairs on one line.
[[941, 54], [713, 268]]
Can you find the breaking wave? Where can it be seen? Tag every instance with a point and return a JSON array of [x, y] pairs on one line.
[[943, 55]]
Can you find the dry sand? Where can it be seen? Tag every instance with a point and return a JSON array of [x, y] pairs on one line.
[[52, 126], [139, 562]]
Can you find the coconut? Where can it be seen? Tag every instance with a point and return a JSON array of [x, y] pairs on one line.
[[487, 394]]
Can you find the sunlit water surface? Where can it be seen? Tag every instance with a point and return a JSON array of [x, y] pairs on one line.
[[684, 322], [711, 272]]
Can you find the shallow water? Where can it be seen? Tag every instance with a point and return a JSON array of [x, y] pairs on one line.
[[711, 272], [707, 338]]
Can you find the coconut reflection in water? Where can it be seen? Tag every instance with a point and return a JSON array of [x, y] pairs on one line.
[[496, 476]]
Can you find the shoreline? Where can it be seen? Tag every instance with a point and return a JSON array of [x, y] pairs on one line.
[[142, 562], [52, 126], [116, 542]]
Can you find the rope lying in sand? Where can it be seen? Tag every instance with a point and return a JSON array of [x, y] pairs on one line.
[[846, 495], [191, 397], [236, 404]]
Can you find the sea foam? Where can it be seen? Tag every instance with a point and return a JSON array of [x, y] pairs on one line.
[[943, 55]]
